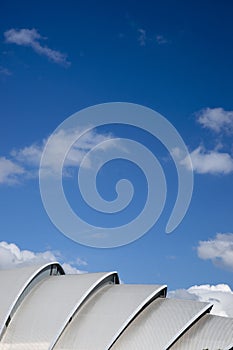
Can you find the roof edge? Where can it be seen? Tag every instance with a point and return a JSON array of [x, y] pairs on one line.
[[24, 287], [157, 293], [207, 308], [97, 284]]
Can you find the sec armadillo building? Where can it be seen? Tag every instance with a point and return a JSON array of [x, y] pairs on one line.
[[42, 308]]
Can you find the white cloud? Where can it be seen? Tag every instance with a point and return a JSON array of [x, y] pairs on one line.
[[62, 140], [10, 172], [12, 256], [29, 155], [219, 250], [22, 36], [182, 294], [220, 295], [216, 119], [209, 162], [31, 38], [217, 160], [24, 163], [72, 270]]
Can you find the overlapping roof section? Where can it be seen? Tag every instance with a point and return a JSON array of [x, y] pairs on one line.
[[106, 315], [161, 323], [16, 284], [41, 308], [49, 307], [210, 332]]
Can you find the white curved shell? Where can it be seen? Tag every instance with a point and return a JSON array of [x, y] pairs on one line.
[[160, 324], [43, 309], [106, 315], [16, 283], [44, 313], [210, 332]]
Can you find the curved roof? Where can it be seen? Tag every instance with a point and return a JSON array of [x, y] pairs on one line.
[[210, 332], [15, 284], [106, 315], [161, 323], [41, 308], [43, 315]]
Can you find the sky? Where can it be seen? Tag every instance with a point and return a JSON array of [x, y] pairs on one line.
[[174, 57]]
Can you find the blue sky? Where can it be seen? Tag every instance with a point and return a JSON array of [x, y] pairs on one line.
[[174, 57]]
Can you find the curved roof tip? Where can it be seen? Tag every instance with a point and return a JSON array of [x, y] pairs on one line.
[[17, 292], [206, 309], [111, 276]]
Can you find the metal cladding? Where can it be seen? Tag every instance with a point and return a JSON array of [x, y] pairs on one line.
[[15, 284], [42, 308]]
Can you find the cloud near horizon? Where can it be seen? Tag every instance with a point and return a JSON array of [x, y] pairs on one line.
[[219, 250], [220, 295], [11, 256], [32, 38]]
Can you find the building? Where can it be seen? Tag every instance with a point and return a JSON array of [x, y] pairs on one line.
[[42, 308]]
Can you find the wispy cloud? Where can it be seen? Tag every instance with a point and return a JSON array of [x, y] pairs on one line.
[[142, 38], [220, 295], [5, 71], [23, 164], [219, 250], [32, 38], [216, 119], [81, 262], [209, 162], [160, 39], [11, 256]]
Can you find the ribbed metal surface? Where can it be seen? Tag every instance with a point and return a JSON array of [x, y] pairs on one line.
[[45, 311], [210, 332], [100, 321], [159, 324], [41, 309], [15, 284]]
